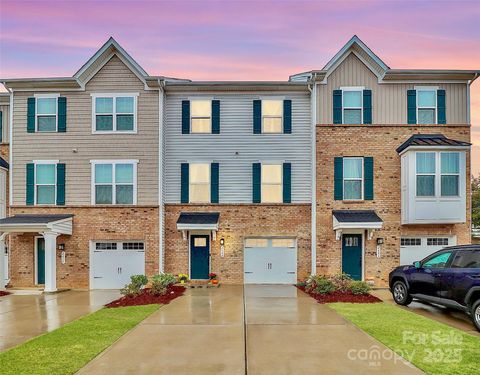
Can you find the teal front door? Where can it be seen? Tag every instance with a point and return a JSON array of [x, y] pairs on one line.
[[40, 261], [199, 257], [352, 255]]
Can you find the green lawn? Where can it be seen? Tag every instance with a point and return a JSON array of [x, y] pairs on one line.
[[69, 348], [433, 347]]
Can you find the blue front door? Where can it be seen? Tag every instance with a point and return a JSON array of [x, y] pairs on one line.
[[352, 255], [40, 261], [199, 257]]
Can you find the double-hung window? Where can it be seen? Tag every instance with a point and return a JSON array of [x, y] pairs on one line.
[[438, 169], [426, 106], [426, 171], [352, 106], [272, 116], [199, 183], [45, 182], [353, 178], [272, 183], [201, 116], [450, 174], [46, 113], [114, 113], [114, 182]]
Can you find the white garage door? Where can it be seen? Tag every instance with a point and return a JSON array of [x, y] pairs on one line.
[[112, 263], [270, 261], [416, 248]]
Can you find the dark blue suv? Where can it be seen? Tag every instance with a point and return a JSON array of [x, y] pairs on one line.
[[450, 277]]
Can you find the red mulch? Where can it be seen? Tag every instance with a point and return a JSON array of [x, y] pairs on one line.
[[2, 293], [145, 298], [341, 297]]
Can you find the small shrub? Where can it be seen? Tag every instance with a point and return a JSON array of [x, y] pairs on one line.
[[160, 283], [342, 282], [320, 285], [182, 277], [137, 283], [359, 287]]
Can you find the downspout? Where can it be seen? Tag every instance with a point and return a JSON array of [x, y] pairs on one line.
[[10, 152], [313, 181], [161, 208], [469, 84]]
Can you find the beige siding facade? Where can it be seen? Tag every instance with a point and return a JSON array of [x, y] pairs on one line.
[[78, 145], [5, 109], [389, 99]]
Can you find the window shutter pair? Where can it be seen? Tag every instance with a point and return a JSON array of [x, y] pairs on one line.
[[337, 106], [61, 114], [257, 183], [287, 116], [367, 178], [30, 178], [412, 107], [185, 182], [186, 116]]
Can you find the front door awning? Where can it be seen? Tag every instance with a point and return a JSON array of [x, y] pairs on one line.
[[37, 223], [198, 221], [356, 219]]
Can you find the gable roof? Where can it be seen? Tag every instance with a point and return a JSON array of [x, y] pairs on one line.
[[355, 44], [102, 56]]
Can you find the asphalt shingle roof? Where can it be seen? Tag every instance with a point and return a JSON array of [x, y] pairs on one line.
[[198, 218], [430, 140], [33, 219]]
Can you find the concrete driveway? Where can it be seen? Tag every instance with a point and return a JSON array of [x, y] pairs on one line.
[[256, 330], [453, 318], [23, 317]]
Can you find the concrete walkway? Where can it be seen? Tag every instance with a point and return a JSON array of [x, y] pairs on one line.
[[266, 330], [23, 317]]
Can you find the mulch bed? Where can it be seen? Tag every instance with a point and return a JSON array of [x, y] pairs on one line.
[[341, 297], [145, 298], [2, 293]]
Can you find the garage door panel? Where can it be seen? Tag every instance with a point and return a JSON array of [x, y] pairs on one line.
[[111, 269], [416, 248], [269, 264]]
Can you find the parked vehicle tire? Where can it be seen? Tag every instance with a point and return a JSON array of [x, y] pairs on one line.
[[400, 293], [476, 314]]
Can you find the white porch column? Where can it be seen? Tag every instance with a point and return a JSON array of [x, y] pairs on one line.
[[2, 261], [50, 261]]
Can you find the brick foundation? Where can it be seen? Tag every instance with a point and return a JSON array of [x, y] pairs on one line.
[[236, 223], [379, 142], [89, 223]]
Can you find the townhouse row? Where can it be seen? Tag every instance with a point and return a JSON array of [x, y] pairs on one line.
[[354, 168]]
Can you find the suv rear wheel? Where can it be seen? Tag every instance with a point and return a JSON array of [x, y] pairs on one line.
[[400, 293], [476, 314]]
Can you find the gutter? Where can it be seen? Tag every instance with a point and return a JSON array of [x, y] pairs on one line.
[[161, 211], [313, 182]]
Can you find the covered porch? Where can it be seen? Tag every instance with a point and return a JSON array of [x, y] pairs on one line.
[[49, 227]]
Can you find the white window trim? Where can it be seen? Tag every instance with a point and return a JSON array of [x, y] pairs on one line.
[[353, 88], [281, 116], [93, 163], [362, 188], [115, 95], [46, 96], [44, 162], [262, 183], [438, 175], [192, 117], [209, 182], [435, 175], [427, 88], [449, 174]]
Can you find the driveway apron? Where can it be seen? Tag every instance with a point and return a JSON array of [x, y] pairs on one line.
[[254, 330], [23, 317]]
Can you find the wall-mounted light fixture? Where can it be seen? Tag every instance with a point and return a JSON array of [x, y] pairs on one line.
[[379, 241], [61, 246], [222, 247]]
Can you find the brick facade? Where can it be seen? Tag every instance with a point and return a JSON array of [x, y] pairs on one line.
[[380, 142], [89, 223], [236, 223]]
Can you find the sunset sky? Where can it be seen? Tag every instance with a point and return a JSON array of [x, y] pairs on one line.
[[240, 40]]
